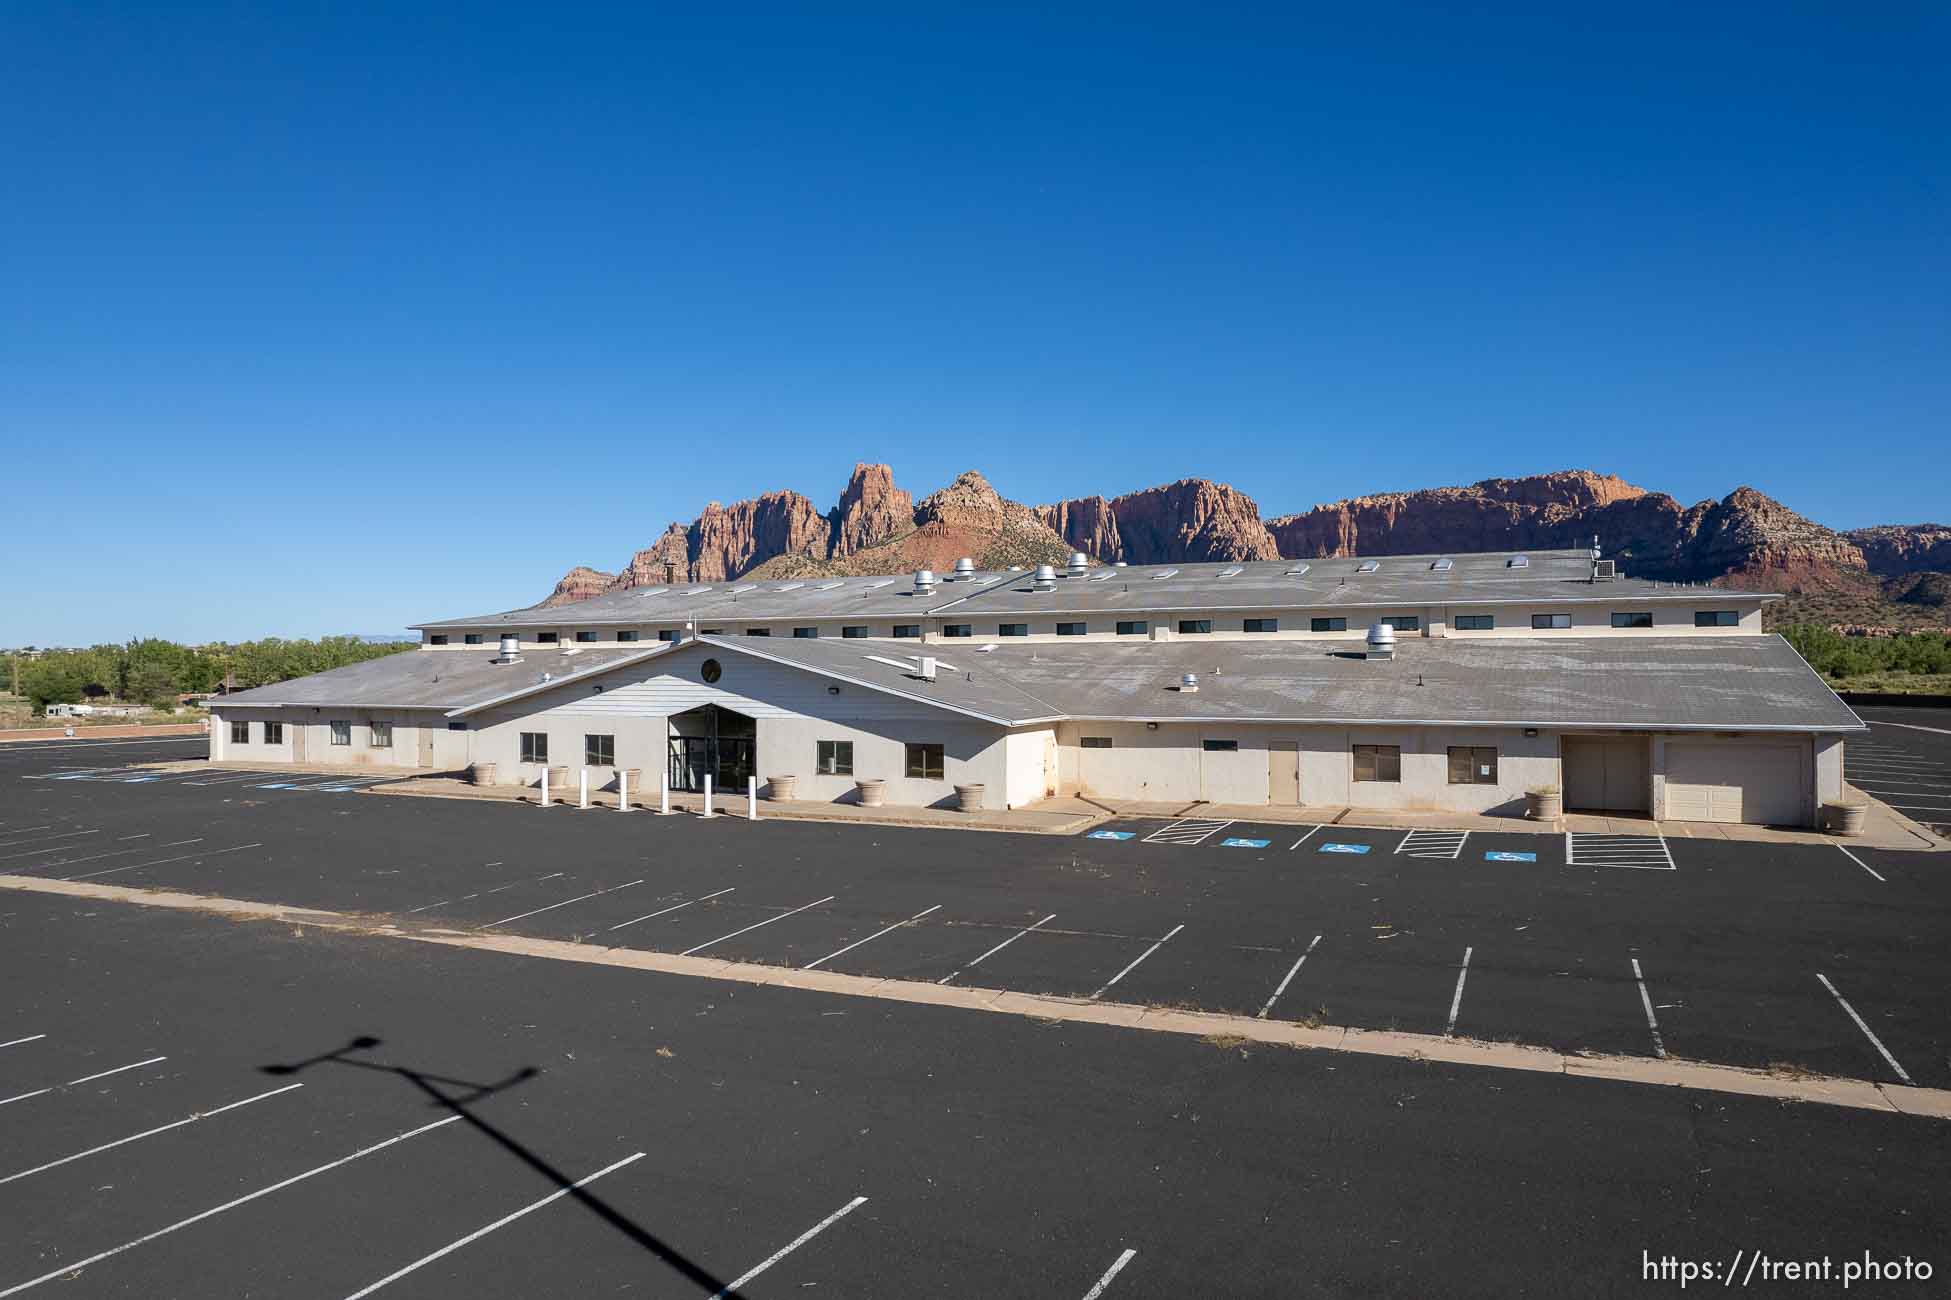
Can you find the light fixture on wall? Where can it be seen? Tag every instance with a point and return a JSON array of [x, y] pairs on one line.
[[1530, 731], [1151, 726], [833, 690]]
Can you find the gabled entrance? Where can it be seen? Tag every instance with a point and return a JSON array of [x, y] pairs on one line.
[[715, 742]]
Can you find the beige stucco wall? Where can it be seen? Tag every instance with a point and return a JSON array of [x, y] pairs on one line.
[[316, 745]]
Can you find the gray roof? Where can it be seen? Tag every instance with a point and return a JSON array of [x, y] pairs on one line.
[[1405, 580], [435, 679], [1697, 683]]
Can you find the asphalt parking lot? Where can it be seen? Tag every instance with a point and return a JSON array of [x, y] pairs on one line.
[[1807, 957], [1906, 762]]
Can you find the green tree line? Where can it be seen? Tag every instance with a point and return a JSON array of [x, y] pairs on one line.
[[1834, 655], [154, 671]]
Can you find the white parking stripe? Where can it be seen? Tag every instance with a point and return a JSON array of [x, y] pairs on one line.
[[1296, 970], [1187, 832], [137, 1137], [998, 948], [137, 866], [16, 1042], [483, 893], [76, 1266], [1110, 1273], [870, 938], [1597, 849], [674, 907], [1659, 1047], [1297, 843], [1134, 963], [1859, 862], [502, 1222], [768, 921], [1432, 844], [791, 1246], [41, 844], [89, 1078], [1456, 1001], [1874, 1040], [594, 893], [118, 853]]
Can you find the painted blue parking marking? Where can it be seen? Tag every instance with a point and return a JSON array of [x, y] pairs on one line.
[[1498, 856], [1237, 843], [1344, 848], [1111, 835]]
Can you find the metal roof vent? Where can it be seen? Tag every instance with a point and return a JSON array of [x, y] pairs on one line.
[[1381, 641], [511, 649], [924, 580], [964, 569], [1046, 577], [1079, 565], [1189, 684]]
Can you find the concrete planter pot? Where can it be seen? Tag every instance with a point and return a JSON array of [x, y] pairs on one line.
[[780, 789], [873, 794], [559, 782], [1544, 805], [635, 777], [1845, 819], [482, 774], [968, 798]]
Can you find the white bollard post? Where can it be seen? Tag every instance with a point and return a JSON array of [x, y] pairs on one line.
[[664, 793], [545, 787], [751, 798], [622, 790], [582, 788], [707, 794]]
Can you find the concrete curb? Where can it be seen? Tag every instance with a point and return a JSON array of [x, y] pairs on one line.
[[1228, 1029]]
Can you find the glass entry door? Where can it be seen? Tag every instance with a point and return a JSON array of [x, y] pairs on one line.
[[715, 742]]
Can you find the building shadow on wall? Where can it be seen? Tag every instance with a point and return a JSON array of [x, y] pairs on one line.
[[458, 1097]]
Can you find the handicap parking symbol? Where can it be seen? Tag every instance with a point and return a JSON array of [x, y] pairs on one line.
[[1237, 843], [1111, 835], [1344, 848], [1498, 856]]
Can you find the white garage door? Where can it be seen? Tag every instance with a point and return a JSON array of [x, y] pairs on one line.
[[1762, 784]]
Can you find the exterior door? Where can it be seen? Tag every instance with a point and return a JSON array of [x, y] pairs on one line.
[[1284, 773], [1607, 773], [298, 730], [426, 745], [1761, 784]]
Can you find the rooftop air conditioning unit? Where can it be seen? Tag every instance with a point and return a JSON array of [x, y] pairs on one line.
[[925, 668], [1604, 570], [1381, 641]]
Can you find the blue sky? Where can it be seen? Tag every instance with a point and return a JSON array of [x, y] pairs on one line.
[[331, 317]]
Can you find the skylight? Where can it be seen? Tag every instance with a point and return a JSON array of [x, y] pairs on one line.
[[697, 591], [1298, 570], [1233, 572], [1368, 566], [743, 586], [884, 582], [648, 592], [1518, 562], [1104, 577], [994, 577], [1164, 573], [828, 586], [789, 586], [1443, 565]]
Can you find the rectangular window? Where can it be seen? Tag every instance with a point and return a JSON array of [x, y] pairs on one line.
[[1717, 618], [853, 633], [667, 634], [1072, 629], [1542, 621], [1012, 629], [547, 638], [925, 762], [599, 751], [1404, 622], [1473, 765], [1195, 626], [1327, 625], [806, 634], [457, 726], [1634, 618], [758, 631], [907, 631], [535, 747], [1095, 742], [1475, 622], [586, 638], [836, 758], [1378, 763], [958, 629], [342, 733], [472, 638], [1136, 627], [1220, 746], [438, 638], [240, 733], [274, 733], [711, 631], [379, 735], [626, 636], [1264, 625]]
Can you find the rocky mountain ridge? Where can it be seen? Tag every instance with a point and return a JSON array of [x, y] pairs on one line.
[[1889, 575]]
